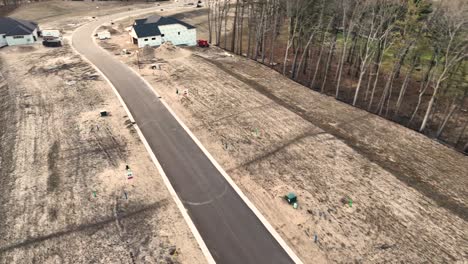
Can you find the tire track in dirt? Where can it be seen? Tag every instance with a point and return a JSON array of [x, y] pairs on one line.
[[53, 155], [412, 181], [134, 213], [8, 132]]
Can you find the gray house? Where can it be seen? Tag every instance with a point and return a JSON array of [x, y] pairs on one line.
[[15, 31]]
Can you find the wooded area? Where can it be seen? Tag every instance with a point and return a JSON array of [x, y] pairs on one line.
[[405, 60]]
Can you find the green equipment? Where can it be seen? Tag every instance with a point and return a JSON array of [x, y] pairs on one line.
[[291, 198]]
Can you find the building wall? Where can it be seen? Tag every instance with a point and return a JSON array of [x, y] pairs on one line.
[[149, 41], [22, 40], [133, 34], [3, 41], [179, 35]]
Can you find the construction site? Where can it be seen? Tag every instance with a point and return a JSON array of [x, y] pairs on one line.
[[366, 190], [65, 193]]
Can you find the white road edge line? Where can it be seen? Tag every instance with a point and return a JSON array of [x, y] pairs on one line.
[[252, 207], [182, 209]]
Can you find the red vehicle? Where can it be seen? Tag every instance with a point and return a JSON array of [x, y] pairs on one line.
[[203, 43]]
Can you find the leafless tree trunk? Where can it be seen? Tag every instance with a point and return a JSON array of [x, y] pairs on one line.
[[241, 33], [274, 33], [386, 91], [234, 27], [424, 85], [259, 33], [309, 41], [367, 54], [383, 47], [330, 55], [291, 38], [249, 41], [225, 14], [453, 107], [322, 46], [219, 20], [462, 132], [346, 34], [210, 27], [404, 86], [453, 55], [264, 30]]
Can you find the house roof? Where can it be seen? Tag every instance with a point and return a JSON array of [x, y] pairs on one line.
[[13, 26], [150, 26], [146, 30]]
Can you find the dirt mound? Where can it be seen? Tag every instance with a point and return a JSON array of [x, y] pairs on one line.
[[168, 51], [167, 47]]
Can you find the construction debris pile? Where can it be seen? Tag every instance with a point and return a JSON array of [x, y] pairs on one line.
[[166, 47]]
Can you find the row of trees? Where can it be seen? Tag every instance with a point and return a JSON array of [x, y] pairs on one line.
[[402, 59]]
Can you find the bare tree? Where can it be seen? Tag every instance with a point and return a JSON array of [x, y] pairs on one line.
[[322, 49], [380, 46], [349, 12], [451, 24], [312, 34], [293, 9]]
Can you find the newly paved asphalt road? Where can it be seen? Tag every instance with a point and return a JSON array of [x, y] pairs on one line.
[[231, 231]]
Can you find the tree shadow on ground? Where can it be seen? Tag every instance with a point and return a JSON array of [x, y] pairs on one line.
[[133, 212]]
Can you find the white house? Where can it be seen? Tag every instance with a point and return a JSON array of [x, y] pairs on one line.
[[155, 30], [15, 31]]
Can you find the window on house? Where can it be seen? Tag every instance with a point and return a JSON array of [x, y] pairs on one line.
[[153, 38], [18, 37], [162, 35], [146, 39], [178, 33]]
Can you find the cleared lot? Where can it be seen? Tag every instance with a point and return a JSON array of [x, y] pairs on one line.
[[274, 136], [65, 197]]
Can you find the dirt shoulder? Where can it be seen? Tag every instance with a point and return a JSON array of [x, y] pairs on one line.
[[65, 196], [59, 10], [274, 136]]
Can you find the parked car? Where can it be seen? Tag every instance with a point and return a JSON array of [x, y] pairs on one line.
[[203, 43], [52, 43]]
